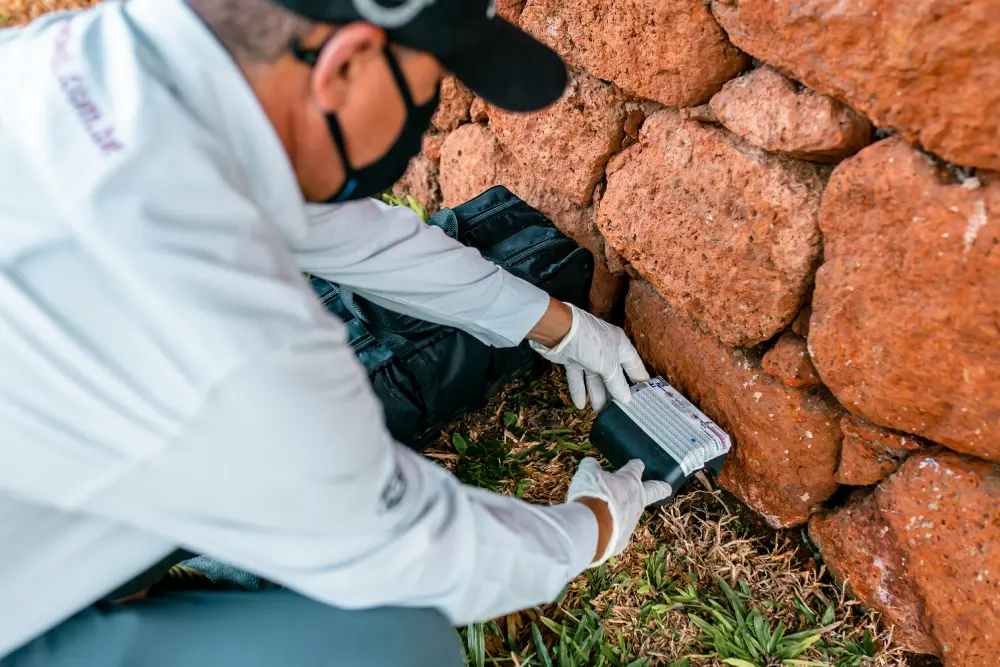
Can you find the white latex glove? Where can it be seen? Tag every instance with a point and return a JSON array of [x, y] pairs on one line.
[[624, 492], [594, 353]]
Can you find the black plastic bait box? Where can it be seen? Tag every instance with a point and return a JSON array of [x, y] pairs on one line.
[[664, 430]]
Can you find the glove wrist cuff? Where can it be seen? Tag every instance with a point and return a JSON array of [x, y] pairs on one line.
[[615, 536], [567, 340]]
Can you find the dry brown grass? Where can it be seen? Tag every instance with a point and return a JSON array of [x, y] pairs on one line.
[[706, 533], [19, 12]]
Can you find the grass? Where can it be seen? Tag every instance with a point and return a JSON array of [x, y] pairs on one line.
[[706, 583], [393, 199]]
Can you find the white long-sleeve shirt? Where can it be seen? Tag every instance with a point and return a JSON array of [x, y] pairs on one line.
[[167, 377]]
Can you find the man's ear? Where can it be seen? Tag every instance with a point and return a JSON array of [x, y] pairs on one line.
[[349, 49]]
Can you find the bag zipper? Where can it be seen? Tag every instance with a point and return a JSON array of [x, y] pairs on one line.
[[527, 252], [363, 343], [493, 210]]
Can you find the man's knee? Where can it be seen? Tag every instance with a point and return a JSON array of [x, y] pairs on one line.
[[265, 629], [399, 636]]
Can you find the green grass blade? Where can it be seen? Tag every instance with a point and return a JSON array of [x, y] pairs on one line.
[[608, 653], [776, 637], [804, 610], [829, 616], [512, 632], [756, 648], [805, 634], [595, 637], [704, 625], [554, 626], [475, 639], [725, 622], [761, 628], [734, 599], [868, 644], [543, 653], [806, 643], [640, 662]]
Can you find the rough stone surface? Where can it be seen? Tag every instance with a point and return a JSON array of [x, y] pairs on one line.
[[472, 161], [671, 51], [479, 111], [871, 453], [421, 182], [453, 109], [800, 324], [906, 309], [647, 107], [431, 146], [510, 9], [616, 264], [633, 124], [944, 510], [789, 361], [703, 113], [767, 109], [861, 552], [929, 68], [725, 231], [568, 144], [785, 440]]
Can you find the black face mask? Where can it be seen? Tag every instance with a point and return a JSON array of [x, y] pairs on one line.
[[385, 171]]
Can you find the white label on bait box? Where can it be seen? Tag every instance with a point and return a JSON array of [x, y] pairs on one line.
[[676, 425]]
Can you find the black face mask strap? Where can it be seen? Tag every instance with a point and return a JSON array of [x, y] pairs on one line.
[[397, 74], [308, 56], [311, 57]]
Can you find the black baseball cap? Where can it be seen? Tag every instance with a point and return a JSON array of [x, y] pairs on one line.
[[496, 59]]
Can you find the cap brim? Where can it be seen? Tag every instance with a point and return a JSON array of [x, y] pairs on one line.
[[509, 68]]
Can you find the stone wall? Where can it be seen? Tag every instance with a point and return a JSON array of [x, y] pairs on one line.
[[796, 207]]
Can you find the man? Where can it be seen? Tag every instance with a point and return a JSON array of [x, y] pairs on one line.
[[169, 379]]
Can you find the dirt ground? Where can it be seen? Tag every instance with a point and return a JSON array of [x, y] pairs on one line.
[[528, 442]]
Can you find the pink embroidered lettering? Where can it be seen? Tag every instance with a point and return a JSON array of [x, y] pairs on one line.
[[78, 95]]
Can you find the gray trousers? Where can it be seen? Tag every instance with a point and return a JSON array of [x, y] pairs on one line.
[[269, 628]]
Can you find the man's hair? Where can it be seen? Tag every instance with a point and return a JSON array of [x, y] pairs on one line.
[[255, 32]]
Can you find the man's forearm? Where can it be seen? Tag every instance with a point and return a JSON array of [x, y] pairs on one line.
[[550, 330], [554, 325], [415, 269], [605, 524]]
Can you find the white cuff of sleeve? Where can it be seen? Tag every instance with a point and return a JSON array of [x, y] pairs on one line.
[[580, 524], [517, 309]]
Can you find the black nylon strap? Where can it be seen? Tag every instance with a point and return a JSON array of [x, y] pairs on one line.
[[380, 324], [311, 57], [401, 85]]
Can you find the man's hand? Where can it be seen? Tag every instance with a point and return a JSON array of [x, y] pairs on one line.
[[617, 500], [593, 351]]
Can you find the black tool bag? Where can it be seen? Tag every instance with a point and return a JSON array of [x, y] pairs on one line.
[[428, 375]]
